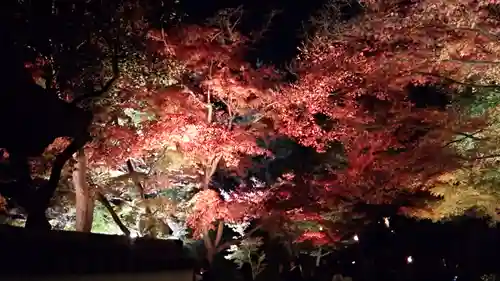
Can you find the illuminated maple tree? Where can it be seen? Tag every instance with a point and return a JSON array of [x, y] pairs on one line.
[[353, 88], [74, 68], [185, 115], [192, 92], [209, 110]]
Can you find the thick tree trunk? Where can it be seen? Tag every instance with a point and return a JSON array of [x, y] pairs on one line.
[[84, 196]]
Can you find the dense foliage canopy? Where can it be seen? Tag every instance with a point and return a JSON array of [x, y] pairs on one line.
[[396, 106]]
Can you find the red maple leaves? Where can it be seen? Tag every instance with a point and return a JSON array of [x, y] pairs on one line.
[[351, 90], [184, 115], [317, 238], [208, 207], [357, 80]]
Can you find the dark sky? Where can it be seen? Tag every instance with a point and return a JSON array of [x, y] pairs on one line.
[[284, 36]]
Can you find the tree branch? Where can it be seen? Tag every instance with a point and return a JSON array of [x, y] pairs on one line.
[[135, 179], [101, 198], [228, 244], [266, 26], [218, 236], [470, 136], [453, 81], [230, 112], [140, 190], [209, 246], [210, 108], [466, 136], [44, 194], [210, 170]]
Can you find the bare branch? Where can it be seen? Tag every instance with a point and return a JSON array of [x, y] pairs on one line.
[[101, 198], [226, 20], [267, 25], [466, 136], [470, 136]]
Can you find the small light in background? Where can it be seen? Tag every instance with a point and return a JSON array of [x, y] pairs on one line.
[[355, 237], [409, 259], [386, 222], [353, 262]]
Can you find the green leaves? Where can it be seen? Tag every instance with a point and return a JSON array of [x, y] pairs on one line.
[[248, 251], [480, 101]]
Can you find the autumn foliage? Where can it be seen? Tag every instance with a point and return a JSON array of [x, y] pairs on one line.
[[358, 79], [352, 89], [185, 116], [351, 103]]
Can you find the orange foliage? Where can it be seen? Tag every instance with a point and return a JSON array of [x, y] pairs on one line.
[[209, 207], [226, 75], [42, 165], [181, 115], [317, 238], [357, 79]]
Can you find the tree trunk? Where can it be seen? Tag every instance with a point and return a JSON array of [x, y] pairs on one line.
[[84, 197]]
